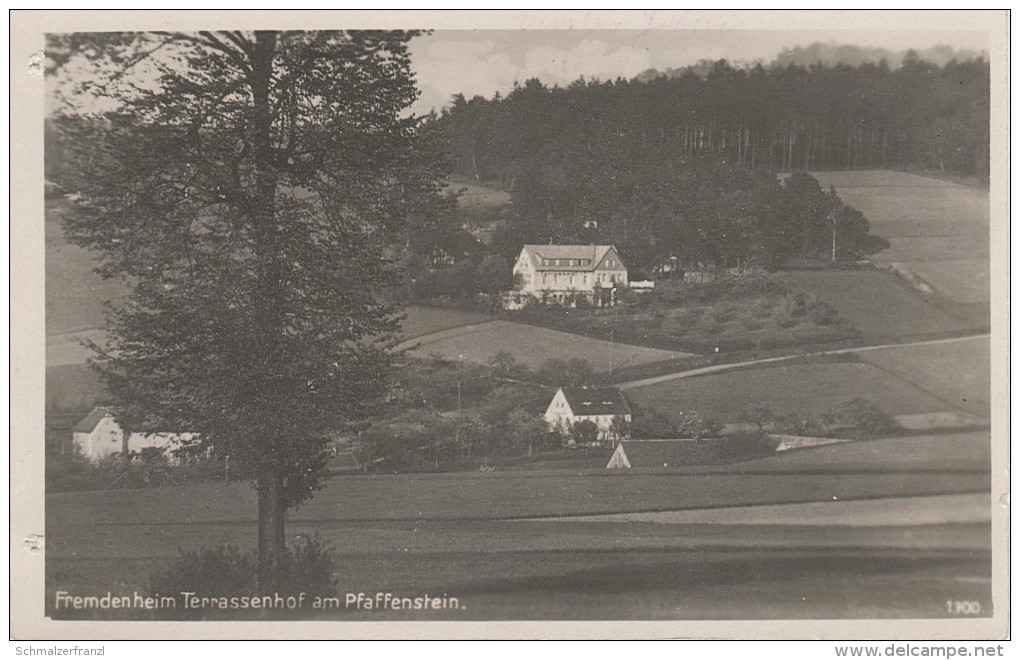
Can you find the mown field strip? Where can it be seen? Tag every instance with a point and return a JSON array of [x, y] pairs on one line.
[[894, 511]]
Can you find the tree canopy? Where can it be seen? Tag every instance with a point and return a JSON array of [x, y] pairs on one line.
[[684, 165], [246, 186]]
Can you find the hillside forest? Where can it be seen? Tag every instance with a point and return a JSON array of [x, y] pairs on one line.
[[684, 165], [695, 167]]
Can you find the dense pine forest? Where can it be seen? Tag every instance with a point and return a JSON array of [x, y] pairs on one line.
[[680, 167], [684, 165], [790, 118]]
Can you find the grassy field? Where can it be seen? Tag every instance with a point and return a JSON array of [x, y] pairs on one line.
[[474, 536], [422, 321], [969, 450], [70, 385], [808, 388], [902, 380], [73, 292], [885, 308], [533, 345], [937, 229], [957, 373]]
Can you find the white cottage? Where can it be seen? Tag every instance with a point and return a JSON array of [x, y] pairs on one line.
[[604, 406], [553, 273], [98, 436]]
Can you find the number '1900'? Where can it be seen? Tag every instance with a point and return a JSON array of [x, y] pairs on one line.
[[963, 607]]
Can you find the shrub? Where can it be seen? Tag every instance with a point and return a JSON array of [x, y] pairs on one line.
[[309, 568], [227, 571], [693, 425], [744, 446], [799, 423], [760, 416], [865, 416], [567, 373], [649, 423], [223, 571]]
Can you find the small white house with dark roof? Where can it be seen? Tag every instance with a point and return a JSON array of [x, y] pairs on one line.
[[98, 436], [605, 406], [555, 272]]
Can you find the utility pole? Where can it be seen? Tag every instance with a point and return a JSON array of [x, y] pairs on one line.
[[610, 353], [832, 218], [460, 377]]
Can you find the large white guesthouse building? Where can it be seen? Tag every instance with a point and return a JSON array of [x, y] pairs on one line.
[[557, 273]]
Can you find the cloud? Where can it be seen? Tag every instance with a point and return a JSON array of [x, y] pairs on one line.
[[482, 67], [468, 67], [591, 58]]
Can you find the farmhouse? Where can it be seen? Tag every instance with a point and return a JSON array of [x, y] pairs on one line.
[[604, 406], [98, 436], [558, 273], [654, 454]]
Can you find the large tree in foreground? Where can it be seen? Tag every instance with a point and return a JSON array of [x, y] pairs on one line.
[[245, 186]]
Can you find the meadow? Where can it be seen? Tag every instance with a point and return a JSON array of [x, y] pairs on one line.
[[533, 345], [937, 229], [785, 388], [902, 380], [74, 294], [477, 536], [957, 373], [883, 307]]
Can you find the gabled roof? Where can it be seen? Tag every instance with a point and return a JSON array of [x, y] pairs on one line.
[[596, 401], [592, 253], [88, 423]]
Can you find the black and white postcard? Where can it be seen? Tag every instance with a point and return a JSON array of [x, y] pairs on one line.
[[510, 325]]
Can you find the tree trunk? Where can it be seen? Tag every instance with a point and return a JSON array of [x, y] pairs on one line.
[[272, 544], [268, 299]]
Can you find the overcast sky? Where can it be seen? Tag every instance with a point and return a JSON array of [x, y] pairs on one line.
[[474, 62]]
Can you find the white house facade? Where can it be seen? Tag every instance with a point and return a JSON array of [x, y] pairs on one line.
[[604, 406], [98, 436], [554, 273]]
